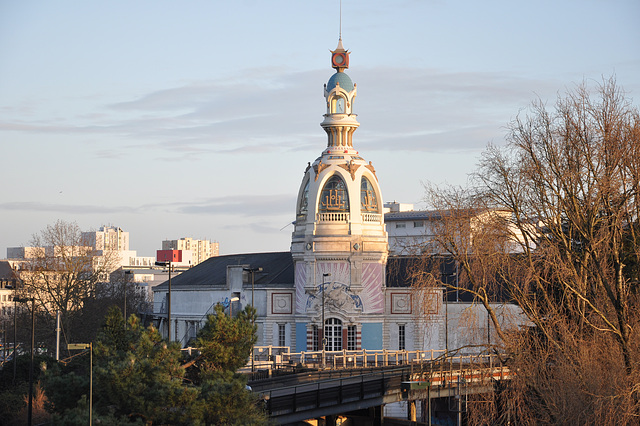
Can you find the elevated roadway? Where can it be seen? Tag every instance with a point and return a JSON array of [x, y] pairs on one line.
[[313, 394]]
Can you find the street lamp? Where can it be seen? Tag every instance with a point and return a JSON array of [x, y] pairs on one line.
[[15, 330], [252, 271], [14, 286], [76, 346], [233, 299], [168, 299], [324, 339], [33, 332], [124, 311]]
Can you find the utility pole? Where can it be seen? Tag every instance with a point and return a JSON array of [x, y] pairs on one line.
[[252, 271], [33, 332], [124, 307], [58, 335], [168, 300]]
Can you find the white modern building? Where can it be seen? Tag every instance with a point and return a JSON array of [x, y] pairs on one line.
[[201, 250], [114, 240], [110, 238], [109, 244]]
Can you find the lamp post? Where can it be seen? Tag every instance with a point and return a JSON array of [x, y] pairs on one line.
[[124, 311], [15, 333], [76, 346], [168, 299], [252, 271], [33, 332], [324, 338], [14, 286]]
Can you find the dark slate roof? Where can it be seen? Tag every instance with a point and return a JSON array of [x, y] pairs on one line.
[[6, 272], [401, 268], [277, 269], [413, 215]]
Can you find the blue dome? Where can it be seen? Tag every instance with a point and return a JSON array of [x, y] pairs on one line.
[[343, 79]]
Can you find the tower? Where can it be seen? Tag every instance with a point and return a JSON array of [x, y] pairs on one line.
[[339, 242]]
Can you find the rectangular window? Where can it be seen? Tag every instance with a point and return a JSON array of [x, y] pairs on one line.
[[351, 338], [418, 224], [282, 335], [401, 225], [401, 337]]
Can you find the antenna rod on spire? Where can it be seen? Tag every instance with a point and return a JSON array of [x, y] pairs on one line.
[[340, 32]]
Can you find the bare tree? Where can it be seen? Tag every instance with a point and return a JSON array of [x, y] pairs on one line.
[[62, 272], [552, 221]]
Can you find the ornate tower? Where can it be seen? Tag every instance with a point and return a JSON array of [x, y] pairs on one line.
[[339, 243]]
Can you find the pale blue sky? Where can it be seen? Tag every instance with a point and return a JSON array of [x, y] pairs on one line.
[[197, 118]]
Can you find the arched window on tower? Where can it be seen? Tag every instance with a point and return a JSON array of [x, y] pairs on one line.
[[303, 205], [368, 199], [338, 105], [334, 196]]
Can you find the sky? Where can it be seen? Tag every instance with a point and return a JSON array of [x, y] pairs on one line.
[[197, 118]]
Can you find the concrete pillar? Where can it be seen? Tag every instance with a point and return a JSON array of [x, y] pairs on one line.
[[378, 415], [424, 408]]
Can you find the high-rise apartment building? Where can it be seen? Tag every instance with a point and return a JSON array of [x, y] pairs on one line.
[[107, 238], [201, 249]]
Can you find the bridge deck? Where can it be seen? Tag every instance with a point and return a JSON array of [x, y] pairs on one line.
[[312, 394]]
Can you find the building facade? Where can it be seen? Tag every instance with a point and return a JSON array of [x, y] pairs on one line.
[[201, 250], [339, 242], [8, 284], [111, 238], [330, 290]]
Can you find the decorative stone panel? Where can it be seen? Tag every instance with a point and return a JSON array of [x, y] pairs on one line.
[[281, 303]]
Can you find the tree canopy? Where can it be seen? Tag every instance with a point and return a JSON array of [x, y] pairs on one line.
[[140, 378], [552, 218]]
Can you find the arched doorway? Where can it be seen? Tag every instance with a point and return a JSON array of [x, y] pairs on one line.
[[333, 334]]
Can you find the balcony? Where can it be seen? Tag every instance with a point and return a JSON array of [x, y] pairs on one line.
[[333, 217], [371, 217]]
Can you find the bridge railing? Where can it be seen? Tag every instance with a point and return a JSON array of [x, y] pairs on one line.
[[280, 357], [461, 370], [320, 392]]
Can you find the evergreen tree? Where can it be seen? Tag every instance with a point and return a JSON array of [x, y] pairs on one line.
[[139, 378], [224, 342]]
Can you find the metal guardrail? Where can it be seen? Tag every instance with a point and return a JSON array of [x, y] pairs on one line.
[[334, 392], [358, 388], [280, 357]]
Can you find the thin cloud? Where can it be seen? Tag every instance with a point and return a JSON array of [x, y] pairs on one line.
[[245, 205], [32, 206], [415, 109]]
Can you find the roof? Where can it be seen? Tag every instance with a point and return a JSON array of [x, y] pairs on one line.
[[277, 269], [401, 271], [343, 79], [6, 272], [413, 215]]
